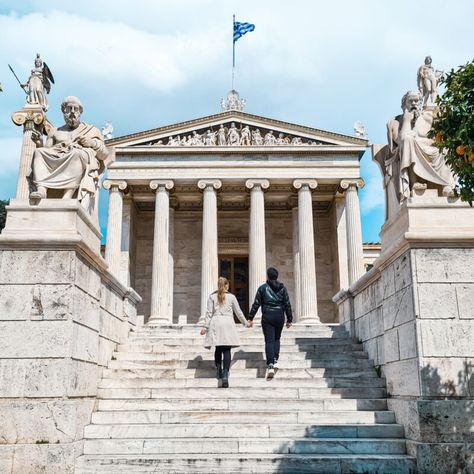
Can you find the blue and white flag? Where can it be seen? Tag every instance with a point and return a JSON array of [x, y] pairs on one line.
[[241, 28]]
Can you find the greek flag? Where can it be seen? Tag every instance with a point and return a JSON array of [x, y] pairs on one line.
[[241, 28]]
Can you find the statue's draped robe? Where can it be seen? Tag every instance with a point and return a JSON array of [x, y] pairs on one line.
[[68, 165]]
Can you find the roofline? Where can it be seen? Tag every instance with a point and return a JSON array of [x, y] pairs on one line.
[[232, 114]]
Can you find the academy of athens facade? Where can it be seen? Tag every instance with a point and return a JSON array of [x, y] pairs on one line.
[[201, 205]]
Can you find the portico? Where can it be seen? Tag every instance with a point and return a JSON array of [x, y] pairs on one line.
[[195, 211]]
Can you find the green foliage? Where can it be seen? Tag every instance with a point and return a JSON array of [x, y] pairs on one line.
[[453, 130], [3, 213]]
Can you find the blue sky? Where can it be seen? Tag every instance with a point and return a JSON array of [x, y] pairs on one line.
[[144, 64]]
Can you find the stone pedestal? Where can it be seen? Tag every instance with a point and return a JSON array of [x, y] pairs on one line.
[[61, 315], [414, 312]]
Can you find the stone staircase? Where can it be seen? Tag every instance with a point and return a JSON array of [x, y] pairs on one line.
[[160, 409]]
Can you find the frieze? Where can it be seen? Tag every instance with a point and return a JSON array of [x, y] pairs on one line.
[[230, 134]]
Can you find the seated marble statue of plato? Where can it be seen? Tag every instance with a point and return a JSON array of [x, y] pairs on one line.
[[71, 160]]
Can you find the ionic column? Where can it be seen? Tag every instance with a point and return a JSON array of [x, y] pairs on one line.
[[127, 231], [309, 300], [354, 231], [31, 118], [159, 313], [209, 263], [257, 249], [296, 266], [113, 242]]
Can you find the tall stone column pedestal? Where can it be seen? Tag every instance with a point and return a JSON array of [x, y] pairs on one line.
[[414, 312], [62, 312]]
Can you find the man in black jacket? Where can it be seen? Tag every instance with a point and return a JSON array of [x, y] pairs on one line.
[[273, 297]]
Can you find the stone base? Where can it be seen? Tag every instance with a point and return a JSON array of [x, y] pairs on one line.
[[56, 221], [428, 221]]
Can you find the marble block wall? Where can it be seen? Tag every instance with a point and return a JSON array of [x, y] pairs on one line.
[[415, 316], [61, 316]]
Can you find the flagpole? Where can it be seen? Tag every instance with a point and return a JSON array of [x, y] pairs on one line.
[[233, 51]]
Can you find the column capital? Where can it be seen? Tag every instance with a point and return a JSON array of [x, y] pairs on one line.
[[161, 184], [205, 183], [112, 183], [255, 183], [29, 114], [301, 183], [348, 183]]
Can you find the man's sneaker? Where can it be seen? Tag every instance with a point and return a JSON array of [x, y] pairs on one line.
[[275, 364], [270, 371]]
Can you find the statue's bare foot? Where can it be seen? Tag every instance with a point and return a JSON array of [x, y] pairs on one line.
[[448, 191], [37, 195]]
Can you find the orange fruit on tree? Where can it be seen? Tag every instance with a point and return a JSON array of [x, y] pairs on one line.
[[438, 137], [471, 156], [460, 149]]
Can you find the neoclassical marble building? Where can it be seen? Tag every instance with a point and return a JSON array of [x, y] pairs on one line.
[[230, 194]]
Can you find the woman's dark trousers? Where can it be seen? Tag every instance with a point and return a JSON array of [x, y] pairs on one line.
[[222, 353], [272, 326]]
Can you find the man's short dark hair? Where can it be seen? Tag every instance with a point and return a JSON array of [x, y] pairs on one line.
[[272, 273]]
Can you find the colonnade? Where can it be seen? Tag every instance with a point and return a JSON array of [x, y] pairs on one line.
[[303, 235]]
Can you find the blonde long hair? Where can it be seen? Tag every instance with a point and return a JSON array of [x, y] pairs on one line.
[[222, 283]]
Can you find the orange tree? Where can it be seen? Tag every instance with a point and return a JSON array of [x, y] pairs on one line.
[[453, 130]]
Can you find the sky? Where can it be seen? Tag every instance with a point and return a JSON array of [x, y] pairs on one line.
[[143, 64]]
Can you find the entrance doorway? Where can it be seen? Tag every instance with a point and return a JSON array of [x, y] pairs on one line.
[[236, 270]]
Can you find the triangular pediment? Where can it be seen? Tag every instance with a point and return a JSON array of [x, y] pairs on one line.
[[234, 128]]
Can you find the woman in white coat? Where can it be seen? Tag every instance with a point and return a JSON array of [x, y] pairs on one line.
[[219, 327]]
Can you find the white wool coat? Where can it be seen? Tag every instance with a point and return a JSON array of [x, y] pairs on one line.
[[219, 322]]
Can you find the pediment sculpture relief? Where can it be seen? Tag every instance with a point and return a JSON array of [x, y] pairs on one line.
[[235, 135]]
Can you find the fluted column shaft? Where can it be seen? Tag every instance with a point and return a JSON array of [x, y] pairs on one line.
[[113, 255], [257, 246], [160, 279], [296, 266], [354, 230], [209, 263], [309, 300]]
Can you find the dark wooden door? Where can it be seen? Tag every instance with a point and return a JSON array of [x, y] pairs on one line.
[[236, 270]]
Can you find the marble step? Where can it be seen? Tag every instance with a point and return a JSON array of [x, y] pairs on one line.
[[247, 463], [326, 346], [200, 363], [295, 415], [241, 430], [277, 381], [245, 339], [211, 446], [238, 355], [242, 392], [248, 373], [333, 404]]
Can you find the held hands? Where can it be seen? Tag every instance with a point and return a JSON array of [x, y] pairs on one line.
[[203, 331], [289, 324]]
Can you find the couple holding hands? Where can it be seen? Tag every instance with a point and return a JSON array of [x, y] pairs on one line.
[[220, 329]]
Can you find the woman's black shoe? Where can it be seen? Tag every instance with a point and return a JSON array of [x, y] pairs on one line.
[[225, 379]]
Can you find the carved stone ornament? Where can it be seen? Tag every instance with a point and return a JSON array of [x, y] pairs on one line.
[[22, 116], [235, 134], [300, 183], [262, 183], [205, 183], [162, 185], [357, 183], [110, 183]]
